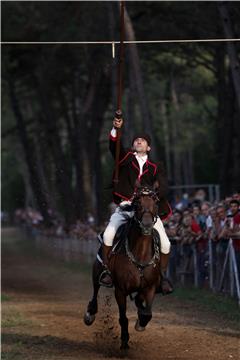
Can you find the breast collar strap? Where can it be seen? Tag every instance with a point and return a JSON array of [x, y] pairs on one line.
[[139, 265]]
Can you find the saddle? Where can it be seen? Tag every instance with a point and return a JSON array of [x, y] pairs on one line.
[[120, 240]]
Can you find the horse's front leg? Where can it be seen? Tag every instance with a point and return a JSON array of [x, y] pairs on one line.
[[92, 308], [123, 320], [144, 303]]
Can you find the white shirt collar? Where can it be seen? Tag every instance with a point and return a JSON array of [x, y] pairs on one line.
[[141, 158], [141, 161]]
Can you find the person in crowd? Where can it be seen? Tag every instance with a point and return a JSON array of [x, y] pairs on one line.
[[189, 230], [221, 239], [199, 218], [181, 203], [189, 233], [208, 224], [234, 228], [172, 229], [199, 197]]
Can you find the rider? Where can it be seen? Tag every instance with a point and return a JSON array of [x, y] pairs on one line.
[[135, 165]]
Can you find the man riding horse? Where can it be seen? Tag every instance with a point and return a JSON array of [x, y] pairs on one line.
[[136, 167]]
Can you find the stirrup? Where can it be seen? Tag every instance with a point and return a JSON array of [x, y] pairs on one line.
[[101, 279]]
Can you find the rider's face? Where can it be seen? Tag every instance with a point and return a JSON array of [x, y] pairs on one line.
[[140, 145]]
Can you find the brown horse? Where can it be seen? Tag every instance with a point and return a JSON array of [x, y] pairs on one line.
[[135, 267]]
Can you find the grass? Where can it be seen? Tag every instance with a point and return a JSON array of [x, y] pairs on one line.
[[75, 266], [14, 353], [11, 319], [222, 306], [5, 297]]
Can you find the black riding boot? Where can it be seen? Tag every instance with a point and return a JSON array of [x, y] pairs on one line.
[[165, 286], [105, 278]]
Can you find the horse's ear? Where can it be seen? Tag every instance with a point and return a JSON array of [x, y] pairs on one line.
[[156, 185]]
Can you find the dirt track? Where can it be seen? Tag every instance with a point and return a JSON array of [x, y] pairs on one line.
[[42, 318]]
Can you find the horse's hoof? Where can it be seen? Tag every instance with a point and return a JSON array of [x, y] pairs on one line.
[[124, 346], [88, 318], [138, 327]]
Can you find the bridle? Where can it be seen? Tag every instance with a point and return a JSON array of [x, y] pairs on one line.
[[146, 230]]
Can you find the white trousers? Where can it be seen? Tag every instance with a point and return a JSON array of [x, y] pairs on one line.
[[120, 217]]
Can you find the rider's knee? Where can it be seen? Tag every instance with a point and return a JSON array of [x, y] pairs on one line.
[[165, 248], [108, 237]]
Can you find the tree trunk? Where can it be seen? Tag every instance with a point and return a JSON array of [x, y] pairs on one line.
[[76, 153], [41, 172], [227, 142], [166, 139], [94, 133], [231, 48], [30, 199], [63, 180], [191, 164], [136, 70], [224, 122], [177, 156], [29, 155]]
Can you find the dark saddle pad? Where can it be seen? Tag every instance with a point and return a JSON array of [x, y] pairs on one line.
[[120, 239]]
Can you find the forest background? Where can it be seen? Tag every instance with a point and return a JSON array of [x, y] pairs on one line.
[[58, 101]]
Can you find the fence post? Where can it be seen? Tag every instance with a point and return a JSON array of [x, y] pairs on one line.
[[210, 189], [224, 267], [195, 263], [231, 275], [235, 269], [217, 193], [210, 260]]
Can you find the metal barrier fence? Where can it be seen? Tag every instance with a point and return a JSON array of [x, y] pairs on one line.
[[215, 267], [212, 190]]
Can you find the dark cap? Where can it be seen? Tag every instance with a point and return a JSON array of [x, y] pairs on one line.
[[142, 136]]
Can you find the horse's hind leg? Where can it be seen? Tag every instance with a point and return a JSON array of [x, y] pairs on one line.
[[92, 308], [123, 320]]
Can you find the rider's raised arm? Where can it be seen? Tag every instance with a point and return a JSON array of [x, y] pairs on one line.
[[117, 124]]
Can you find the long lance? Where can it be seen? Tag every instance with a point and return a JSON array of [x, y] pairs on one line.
[[118, 113]]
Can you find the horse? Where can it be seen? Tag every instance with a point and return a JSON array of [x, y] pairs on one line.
[[135, 266]]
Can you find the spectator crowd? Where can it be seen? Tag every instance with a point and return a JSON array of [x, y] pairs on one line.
[[193, 223]]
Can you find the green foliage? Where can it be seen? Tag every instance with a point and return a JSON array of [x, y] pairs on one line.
[[188, 69]]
